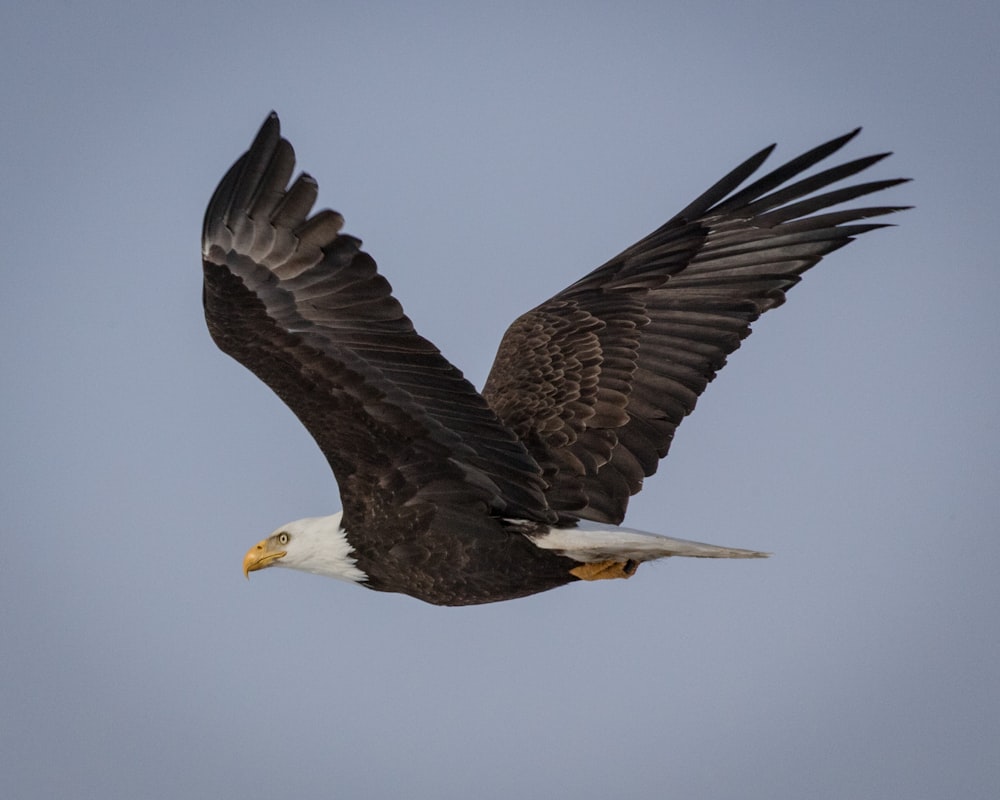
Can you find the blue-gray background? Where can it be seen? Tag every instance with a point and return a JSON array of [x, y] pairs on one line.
[[488, 156]]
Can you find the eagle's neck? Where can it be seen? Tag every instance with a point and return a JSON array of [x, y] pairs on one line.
[[319, 545]]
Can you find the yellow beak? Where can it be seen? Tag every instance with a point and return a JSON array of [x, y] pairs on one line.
[[259, 556]]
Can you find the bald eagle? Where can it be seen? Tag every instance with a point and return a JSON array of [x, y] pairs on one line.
[[457, 496]]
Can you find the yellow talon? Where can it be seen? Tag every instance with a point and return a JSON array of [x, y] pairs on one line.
[[605, 570]]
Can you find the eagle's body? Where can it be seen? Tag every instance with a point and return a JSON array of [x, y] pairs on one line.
[[455, 496]]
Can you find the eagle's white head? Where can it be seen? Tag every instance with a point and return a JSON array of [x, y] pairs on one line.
[[316, 544]]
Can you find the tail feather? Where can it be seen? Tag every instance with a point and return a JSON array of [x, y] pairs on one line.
[[590, 542]]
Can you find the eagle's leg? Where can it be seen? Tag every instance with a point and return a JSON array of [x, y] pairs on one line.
[[605, 570]]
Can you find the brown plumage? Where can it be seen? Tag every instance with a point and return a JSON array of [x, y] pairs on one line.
[[584, 396]]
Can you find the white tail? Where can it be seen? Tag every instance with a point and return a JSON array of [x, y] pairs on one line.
[[593, 542]]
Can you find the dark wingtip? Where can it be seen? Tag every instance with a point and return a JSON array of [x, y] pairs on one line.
[[845, 138], [270, 128], [272, 121]]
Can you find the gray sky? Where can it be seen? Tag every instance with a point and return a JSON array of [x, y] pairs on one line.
[[488, 158]]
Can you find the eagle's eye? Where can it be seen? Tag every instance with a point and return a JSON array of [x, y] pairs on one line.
[[283, 538]]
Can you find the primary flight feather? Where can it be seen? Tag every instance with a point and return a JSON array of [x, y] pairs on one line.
[[456, 496]]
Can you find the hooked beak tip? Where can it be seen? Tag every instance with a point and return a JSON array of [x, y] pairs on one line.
[[259, 557]]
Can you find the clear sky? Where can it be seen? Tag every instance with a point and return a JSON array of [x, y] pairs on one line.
[[490, 154]]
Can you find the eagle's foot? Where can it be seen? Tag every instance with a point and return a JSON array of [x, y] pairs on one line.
[[605, 570]]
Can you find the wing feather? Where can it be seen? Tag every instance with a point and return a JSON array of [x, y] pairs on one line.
[[596, 379], [304, 308]]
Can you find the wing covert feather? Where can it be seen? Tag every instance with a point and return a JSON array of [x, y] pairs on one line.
[[304, 308], [596, 379]]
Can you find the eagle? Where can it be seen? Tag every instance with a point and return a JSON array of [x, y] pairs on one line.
[[456, 496]]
